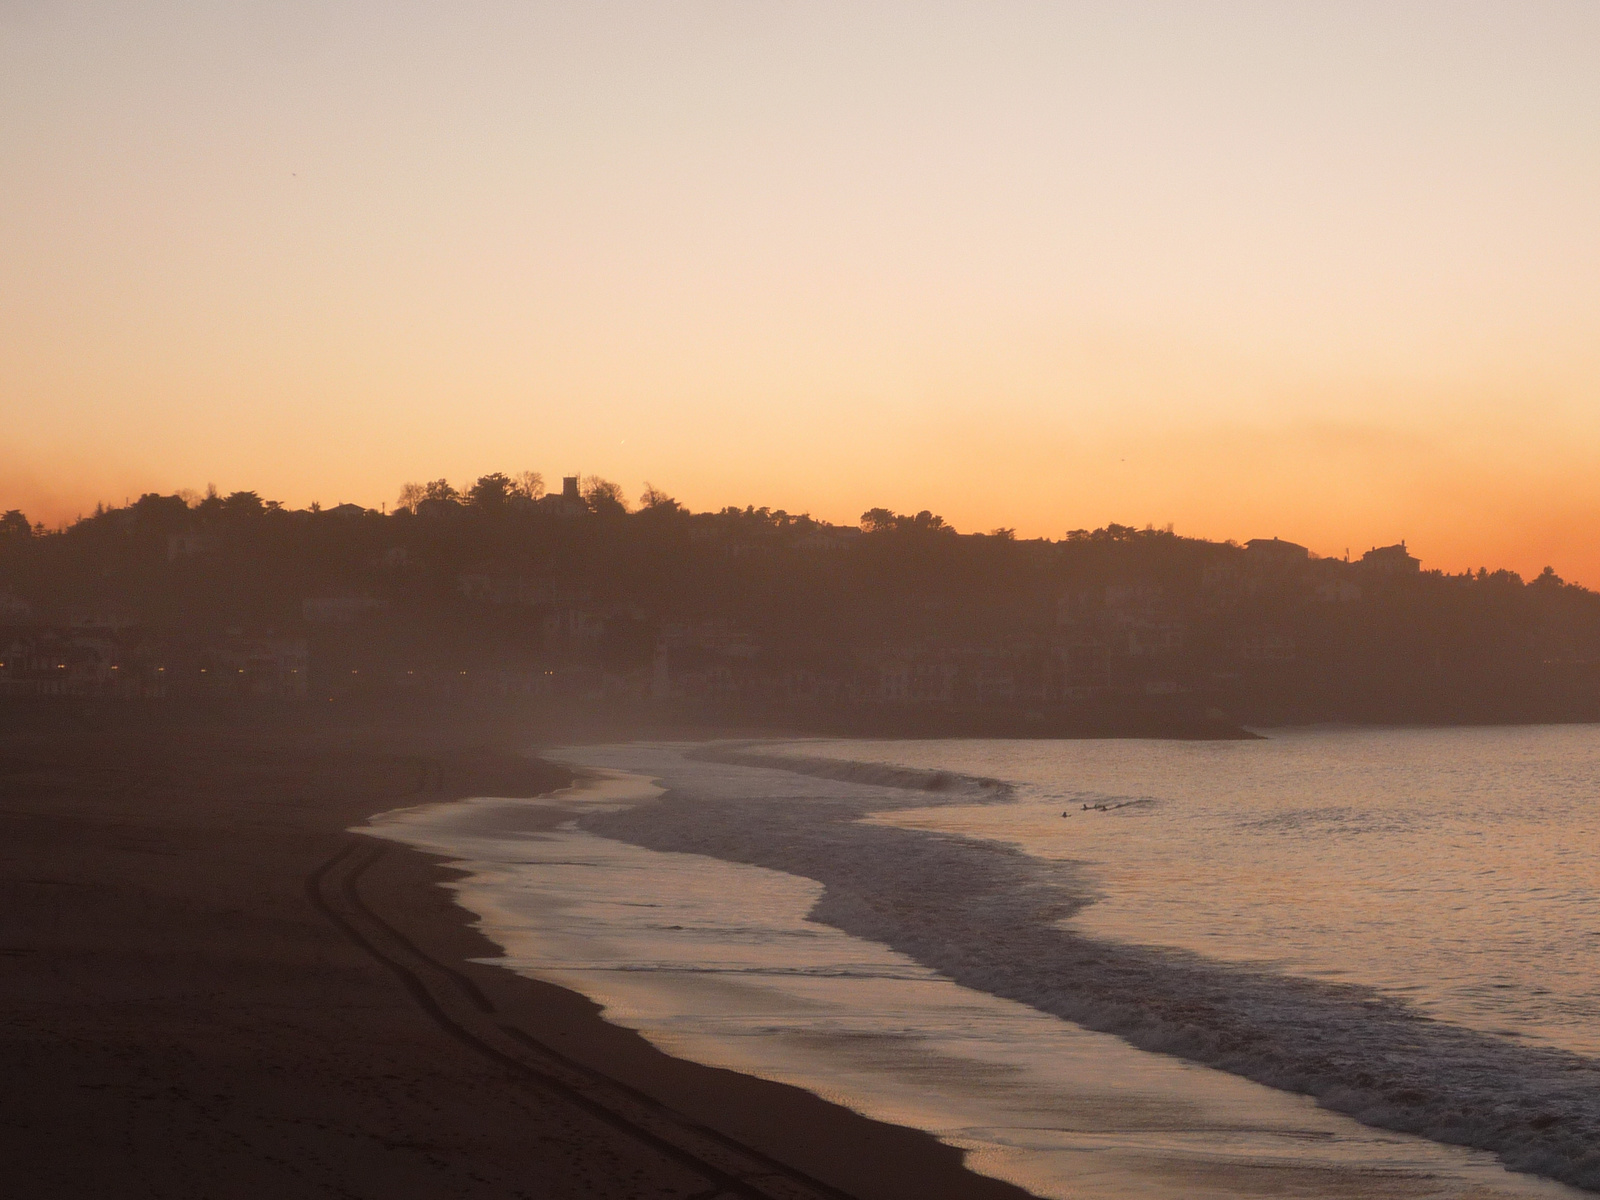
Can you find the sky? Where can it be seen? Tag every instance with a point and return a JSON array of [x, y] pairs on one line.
[[1324, 272]]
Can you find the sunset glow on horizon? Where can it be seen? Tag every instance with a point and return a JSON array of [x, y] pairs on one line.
[[1251, 269]]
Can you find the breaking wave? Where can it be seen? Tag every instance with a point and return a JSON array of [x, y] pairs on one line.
[[992, 918]]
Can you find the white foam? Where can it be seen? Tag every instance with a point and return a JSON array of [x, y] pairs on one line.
[[717, 961]]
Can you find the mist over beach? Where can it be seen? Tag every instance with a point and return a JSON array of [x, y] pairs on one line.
[[850, 601]]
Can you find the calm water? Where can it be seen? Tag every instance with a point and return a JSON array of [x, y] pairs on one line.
[[1457, 868], [1399, 926]]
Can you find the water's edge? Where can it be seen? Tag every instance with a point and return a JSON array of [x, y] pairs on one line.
[[990, 919]]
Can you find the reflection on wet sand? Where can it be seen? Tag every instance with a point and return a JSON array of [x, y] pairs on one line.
[[716, 962]]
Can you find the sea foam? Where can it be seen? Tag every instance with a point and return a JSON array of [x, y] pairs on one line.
[[991, 918]]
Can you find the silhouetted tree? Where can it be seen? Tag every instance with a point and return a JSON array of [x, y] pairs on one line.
[[155, 511], [439, 489], [882, 520], [529, 485], [243, 504], [411, 495], [603, 497], [1548, 578], [14, 526], [490, 492], [654, 498]]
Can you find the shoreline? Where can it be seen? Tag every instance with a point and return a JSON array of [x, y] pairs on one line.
[[786, 1130], [857, 875], [174, 987]]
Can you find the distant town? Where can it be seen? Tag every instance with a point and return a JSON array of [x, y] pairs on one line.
[[898, 624]]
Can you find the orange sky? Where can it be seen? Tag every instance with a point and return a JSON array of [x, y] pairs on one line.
[[1330, 273]]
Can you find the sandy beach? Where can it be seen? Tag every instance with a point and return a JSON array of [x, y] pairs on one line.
[[211, 988]]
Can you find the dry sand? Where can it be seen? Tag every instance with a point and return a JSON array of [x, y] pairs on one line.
[[212, 990]]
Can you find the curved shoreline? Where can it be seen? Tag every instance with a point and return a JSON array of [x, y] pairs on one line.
[[988, 918], [723, 965], [779, 1131], [172, 986]]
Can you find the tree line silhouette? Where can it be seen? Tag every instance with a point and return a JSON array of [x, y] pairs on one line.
[[580, 590]]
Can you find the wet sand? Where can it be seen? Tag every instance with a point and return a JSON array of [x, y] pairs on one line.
[[210, 988]]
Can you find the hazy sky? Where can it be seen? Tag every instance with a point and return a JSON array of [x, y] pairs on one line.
[[1324, 271]]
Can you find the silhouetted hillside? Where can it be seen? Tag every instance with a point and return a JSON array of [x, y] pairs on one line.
[[898, 625]]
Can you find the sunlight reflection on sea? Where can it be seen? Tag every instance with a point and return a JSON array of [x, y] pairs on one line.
[[715, 961]]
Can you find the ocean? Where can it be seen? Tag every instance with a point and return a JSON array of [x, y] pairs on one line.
[[1331, 962]]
